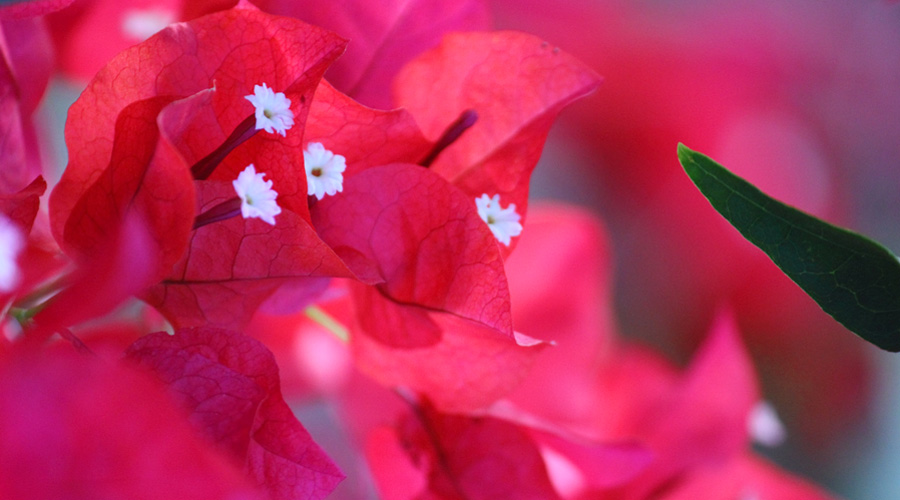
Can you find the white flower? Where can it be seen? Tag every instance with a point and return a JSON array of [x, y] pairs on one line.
[[11, 244], [273, 110], [324, 171], [764, 425], [504, 222], [256, 194], [141, 24]]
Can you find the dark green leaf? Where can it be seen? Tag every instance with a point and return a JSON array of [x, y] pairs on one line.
[[854, 279]]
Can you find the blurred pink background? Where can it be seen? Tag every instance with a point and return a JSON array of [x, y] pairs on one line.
[[800, 97]]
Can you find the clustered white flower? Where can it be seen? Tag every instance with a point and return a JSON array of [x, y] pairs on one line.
[[324, 171], [256, 194], [273, 110], [504, 222]]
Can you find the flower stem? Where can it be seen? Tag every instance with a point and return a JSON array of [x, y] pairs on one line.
[[328, 322], [225, 210], [453, 132], [40, 295], [205, 167]]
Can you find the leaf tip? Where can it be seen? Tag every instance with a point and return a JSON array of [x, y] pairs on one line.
[[684, 153]]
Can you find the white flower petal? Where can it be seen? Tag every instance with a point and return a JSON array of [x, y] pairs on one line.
[[324, 171], [273, 110], [764, 425], [12, 241], [504, 222], [258, 199], [141, 24]]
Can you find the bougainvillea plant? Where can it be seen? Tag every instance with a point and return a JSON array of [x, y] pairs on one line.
[[297, 223]]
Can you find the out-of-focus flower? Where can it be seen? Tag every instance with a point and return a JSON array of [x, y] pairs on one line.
[[11, 244]]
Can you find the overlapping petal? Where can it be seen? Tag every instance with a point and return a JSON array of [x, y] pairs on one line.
[[22, 207], [142, 175], [164, 105], [365, 137], [516, 83], [472, 457], [463, 366], [747, 477], [385, 36], [79, 427], [559, 279], [121, 266], [233, 265], [229, 384], [32, 8], [25, 68], [87, 35], [409, 229]]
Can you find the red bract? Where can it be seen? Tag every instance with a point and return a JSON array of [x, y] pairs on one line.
[[430, 454], [744, 478], [229, 384], [468, 457], [467, 367], [383, 36], [696, 424], [597, 465], [173, 108], [233, 265], [24, 71], [225, 287], [396, 476], [33, 8], [559, 280], [405, 227], [120, 267], [686, 421], [616, 393], [516, 83], [363, 136], [22, 207], [91, 32], [13, 149], [28, 55], [33, 264], [142, 176], [79, 427], [312, 361]]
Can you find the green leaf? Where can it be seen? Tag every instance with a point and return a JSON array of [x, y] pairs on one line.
[[853, 278]]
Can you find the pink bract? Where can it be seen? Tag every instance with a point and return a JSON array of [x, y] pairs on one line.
[[229, 385]]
